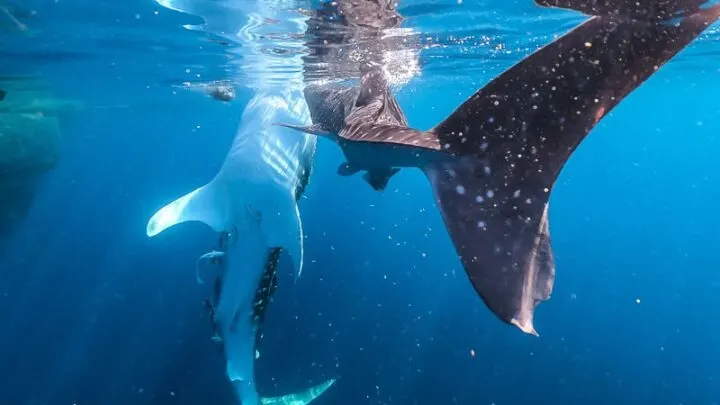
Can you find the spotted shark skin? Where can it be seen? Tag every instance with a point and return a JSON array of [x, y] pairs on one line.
[[494, 161]]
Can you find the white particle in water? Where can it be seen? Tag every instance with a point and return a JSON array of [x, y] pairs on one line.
[[460, 189]]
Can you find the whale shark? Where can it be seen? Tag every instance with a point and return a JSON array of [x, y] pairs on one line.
[[492, 163], [252, 202]]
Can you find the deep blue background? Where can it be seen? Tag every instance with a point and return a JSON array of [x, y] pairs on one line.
[[94, 312]]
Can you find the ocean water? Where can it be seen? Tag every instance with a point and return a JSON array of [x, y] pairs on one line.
[[94, 312]]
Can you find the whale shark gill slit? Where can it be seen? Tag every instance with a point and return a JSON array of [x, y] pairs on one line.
[[266, 288]]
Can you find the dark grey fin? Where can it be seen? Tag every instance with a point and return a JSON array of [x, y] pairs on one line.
[[3, 93], [656, 10], [378, 118], [378, 179], [514, 136], [375, 100], [346, 170], [311, 129]]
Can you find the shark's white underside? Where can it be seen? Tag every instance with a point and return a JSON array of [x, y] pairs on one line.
[[253, 197]]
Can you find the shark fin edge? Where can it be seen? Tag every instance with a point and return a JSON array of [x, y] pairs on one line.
[[379, 179], [506, 253], [282, 228], [299, 398], [213, 257], [310, 129], [629, 9], [206, 204]]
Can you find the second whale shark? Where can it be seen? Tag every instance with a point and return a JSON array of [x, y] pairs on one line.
[[493, 162]]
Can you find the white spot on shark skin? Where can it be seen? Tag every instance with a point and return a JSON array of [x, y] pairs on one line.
[[460, 189], [484, 146], [482, 225], [490, 194], [516, 194], [479, 199], [487, 170]]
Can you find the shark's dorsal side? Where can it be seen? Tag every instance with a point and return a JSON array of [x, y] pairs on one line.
[[493, 162]]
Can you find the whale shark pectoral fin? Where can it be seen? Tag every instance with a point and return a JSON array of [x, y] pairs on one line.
[[299, 398], [310, 129], [213, 257], [378, 179], [283, 229], [207, 204]]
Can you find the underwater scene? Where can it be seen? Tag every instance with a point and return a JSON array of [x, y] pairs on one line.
[[351, 202]]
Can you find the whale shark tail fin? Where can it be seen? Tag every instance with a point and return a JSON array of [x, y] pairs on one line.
[[509, 141], [208, 204], [300, 398]]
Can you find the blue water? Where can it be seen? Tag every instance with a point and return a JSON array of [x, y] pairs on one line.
[[94, 312]]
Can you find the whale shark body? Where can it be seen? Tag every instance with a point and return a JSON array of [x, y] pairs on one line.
[[493, 162], [253, 203]]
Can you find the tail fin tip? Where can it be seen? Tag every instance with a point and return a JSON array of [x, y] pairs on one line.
[[504, 246], [300, 398]]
